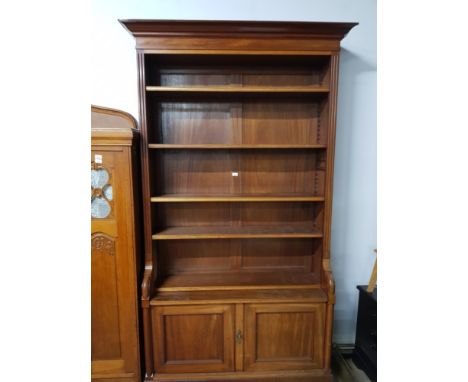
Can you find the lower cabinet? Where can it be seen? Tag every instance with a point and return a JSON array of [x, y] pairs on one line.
[[263, 337]]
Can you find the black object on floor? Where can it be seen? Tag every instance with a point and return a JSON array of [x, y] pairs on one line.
[[365, 351]]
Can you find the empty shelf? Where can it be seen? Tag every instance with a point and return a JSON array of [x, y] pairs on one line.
[[236, 281], [258, 295], [238, 89], [231, 146], [233, 232], [235, 198]]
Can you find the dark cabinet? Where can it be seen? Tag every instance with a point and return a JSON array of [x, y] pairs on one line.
[[365, 352]]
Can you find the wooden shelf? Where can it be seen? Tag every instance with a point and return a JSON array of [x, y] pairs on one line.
[[174, 198], [236, 281], [237, 89], [312, 294], [233, 232], [232, 147]]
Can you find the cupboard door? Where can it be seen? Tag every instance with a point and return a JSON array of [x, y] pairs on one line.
[[283, 336], [114, 321], [194, 339]]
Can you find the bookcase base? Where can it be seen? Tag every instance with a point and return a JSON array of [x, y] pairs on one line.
[[291, 376]]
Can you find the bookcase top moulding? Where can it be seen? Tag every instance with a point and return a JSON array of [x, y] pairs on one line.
[[258, 35]]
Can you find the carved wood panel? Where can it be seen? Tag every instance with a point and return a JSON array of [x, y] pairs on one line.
[[105, 329]]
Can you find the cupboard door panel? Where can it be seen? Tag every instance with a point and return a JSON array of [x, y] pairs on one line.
[[105, 330], [191, 339], [283, 336]]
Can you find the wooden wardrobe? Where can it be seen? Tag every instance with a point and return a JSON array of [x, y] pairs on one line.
[[238, 136], [115, 247]]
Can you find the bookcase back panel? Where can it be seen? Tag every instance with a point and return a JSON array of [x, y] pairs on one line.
[[194, 77], [238, 255], [284, 122], [241, 121], [239, 214], [187, 256], [279, 254], [240, 77], [250, 70], [282, 78], [287, 172], [195, 214], [228, 172], [198, 123], [259, 214], [197, 172]]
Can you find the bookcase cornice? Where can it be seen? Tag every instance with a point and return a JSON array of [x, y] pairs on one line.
[[224, 28]]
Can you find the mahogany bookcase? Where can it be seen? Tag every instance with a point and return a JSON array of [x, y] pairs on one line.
[[238, 135]]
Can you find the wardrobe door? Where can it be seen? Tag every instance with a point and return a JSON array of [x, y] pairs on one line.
[[114, 321], [283, 336], [193, 339], [115, 348]]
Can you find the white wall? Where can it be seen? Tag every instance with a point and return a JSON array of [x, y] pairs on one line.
[[114, 84]]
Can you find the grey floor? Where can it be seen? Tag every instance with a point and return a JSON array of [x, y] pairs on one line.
[[344, 369], [357, 374]]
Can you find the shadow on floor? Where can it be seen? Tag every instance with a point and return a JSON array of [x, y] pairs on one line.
[[343, 367]]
